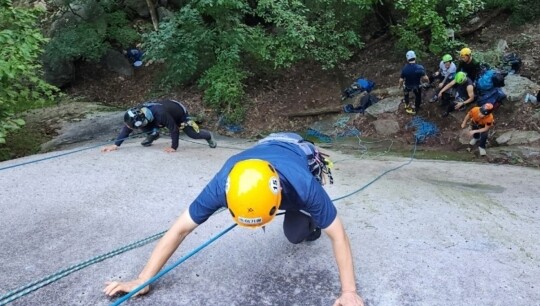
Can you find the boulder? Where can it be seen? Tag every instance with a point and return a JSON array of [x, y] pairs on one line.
[[115, 61], [386, 127], [164, 14], [139, 7], [387, 105], [59, 73], [177, 3], [514, 137], [516, 87]]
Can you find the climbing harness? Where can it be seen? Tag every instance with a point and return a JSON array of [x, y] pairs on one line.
[[318, 163], [190, 122]]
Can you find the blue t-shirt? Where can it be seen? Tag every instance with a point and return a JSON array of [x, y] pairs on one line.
[[300, 189], [412, 74]]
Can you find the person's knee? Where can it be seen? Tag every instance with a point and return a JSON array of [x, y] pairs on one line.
[[294, 239], [296, 226]]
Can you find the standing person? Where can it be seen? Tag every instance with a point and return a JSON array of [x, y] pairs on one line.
[[468, 64], [481, 120], [282, 172], [464, 93], [153, 115], [445, 74], [411, 76]]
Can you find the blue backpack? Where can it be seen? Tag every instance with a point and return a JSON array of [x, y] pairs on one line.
[[490, 79], [494, 96], [366, 84], [485, 81], [360, 85]]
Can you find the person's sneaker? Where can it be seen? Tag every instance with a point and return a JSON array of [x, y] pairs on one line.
[[434, 99], [482, 151], [316, 234], [211, 142], [473, 142], [149, 139], [410, 110]]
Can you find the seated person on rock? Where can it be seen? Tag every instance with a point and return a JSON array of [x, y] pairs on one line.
[[468, 64], [464, 92], [444, 75]]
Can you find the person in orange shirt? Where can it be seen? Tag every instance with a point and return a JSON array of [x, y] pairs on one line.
[[481, 120]]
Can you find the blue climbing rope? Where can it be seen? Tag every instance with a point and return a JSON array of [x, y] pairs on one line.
[[24, 290], [424, 129], [67, 153], [320, 136], [169, 268]]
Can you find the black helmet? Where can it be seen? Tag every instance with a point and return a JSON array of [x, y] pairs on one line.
[[135, 118]]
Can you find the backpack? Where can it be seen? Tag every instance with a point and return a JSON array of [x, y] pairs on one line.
[[359, 86], [512, 62], [494, 96], [489, 79]]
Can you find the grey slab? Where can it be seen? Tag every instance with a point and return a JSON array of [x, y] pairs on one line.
[[430, 233]]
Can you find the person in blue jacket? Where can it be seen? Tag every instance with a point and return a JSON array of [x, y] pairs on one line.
[[282, 172], [153, 115]]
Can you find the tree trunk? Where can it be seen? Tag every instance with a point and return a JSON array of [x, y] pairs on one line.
[[320, 111], [152, 9], [481, 24]]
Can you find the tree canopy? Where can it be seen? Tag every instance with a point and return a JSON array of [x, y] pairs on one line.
[[220, 44]]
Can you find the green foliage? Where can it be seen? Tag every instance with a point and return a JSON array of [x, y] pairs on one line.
[[491, 57], [22, 142], [525, 10], [21, 87], [210, 41], [224, 83], [184, 43], [119, 30], [434, 18], [87, 29]]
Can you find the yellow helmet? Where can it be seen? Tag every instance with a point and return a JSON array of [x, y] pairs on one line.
[[253, 192], [465, 52]]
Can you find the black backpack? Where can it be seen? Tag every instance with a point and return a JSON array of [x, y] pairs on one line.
[[511, 62], [498, 79], [365, 102]]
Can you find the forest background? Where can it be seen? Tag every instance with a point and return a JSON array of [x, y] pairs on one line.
[[219, 48]]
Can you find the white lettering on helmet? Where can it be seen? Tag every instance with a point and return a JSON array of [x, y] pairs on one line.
[[274, 185], [250, 221]]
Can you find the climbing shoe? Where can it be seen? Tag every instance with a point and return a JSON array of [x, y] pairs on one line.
[[410, 111], [316, 234], [473, 141], [211, 142], [149, 139], [434, 99]]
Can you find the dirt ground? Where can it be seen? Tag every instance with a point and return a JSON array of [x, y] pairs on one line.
[[306, 87]]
